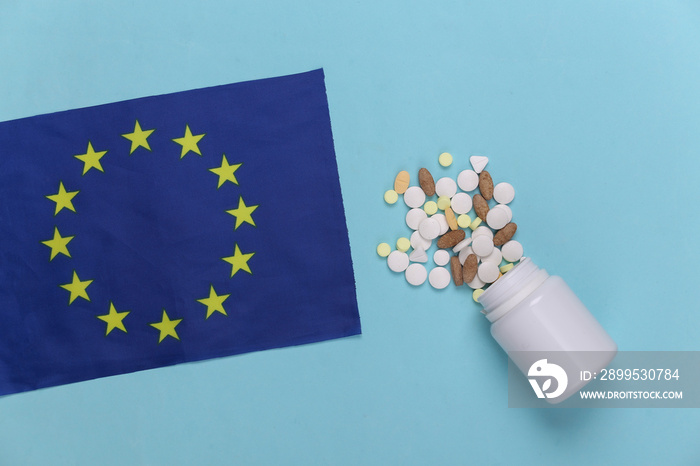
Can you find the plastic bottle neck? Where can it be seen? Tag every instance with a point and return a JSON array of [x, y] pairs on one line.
[[511, 289]]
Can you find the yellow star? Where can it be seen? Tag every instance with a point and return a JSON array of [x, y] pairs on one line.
[[138, 138], [238, 261], [77, 288], [91, 159], [166, 327], [226, 172], [214, 303], [114, 319], [242, 213], [59, 244], [63, 198], [189, 142]]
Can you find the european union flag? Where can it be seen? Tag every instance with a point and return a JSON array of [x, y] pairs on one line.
[[169, 229]]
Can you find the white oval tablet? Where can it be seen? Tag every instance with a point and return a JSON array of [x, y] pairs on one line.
[[461, 245], [464, 253], [416, 274], [488, 272], [482, 230], [503, 193], [482, 245], [461, 203], [497, 218], [441, 257], [496, 256], [468, 180], [442, 220], [439, 277], [397, 261], [445, 186], [476, 283], [417, 241], [414, 217], [414, 197], [429, 228], [512, 251]]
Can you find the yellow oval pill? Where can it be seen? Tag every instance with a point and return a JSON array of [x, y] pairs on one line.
[[477, 293], [475, 223], [464, 221], [430, 207], [402, 244], [445, 159], [401, 182], [506, 267], [391, 196], [383, 249], [443, 202], [451, 219]]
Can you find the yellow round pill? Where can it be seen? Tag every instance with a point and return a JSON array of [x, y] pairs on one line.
[[443, 202], [445, 159], [475, 223], [391, 196], [477, 293], [402, 244], [430, 207], [506, 267], [464, 221], [383, 249]]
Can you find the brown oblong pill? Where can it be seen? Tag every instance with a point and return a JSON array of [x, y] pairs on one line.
[[401, 182], [504, 235], [451, 219], [471, 265], [426, 181], [450, 239], [481, 207], [456, 271], [486, 186]]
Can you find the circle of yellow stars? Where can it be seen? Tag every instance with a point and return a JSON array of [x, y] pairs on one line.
[[91, 159]]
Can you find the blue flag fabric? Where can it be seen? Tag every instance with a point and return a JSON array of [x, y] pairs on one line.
[[169, 229]]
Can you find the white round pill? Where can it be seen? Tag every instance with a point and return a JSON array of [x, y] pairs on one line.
[[506, 209], [497, 218], [442, 220], [482, 230], [461, 203], [461, 245], [445, 186], [482, 245], [416, 274], [439, 277], [397, 261], [429, 228], [414, 197], [414, 217], [503, 193], [496, 256], [464, 253], [488, 272], [468, 180], [476, 283], [512, 251], [441, 257], [417, 241]]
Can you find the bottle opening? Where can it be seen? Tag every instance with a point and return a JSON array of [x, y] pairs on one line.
[[512, 288]]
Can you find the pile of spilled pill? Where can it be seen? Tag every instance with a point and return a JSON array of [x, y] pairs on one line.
[[478, 250]]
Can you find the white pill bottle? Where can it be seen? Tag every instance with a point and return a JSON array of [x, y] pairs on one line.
[[539, 321]]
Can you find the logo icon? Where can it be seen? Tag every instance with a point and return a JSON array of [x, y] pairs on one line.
[[541, 369]]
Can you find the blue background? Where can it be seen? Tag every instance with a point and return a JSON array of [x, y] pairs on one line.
[[591, 111]]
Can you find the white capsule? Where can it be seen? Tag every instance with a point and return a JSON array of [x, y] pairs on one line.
[[461, 203], [416, 274], [397, 261], [445, 186], [468, 180], [512, 251], [503, 193], [414, 217]]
